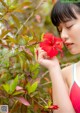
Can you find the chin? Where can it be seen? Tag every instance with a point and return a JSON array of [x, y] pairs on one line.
[[74, 52]]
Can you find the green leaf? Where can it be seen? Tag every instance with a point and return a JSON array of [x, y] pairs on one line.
[[42, 36], [6, 87], [46, 107], [3, 77], [14, 2], [21, 62], [13, 85], [33, 67], [10, 39], [35, 74], [33, 87], [21, 76], [22, 41], [18, 93], [3, 3], [26, 0], [28, 86], [49, 102], [16, 20], [8, 2], [24, 4], [4, 33]]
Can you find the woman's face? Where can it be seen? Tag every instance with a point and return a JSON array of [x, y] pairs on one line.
[[70, 33]]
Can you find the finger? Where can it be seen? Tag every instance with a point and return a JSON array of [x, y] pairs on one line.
[[41, 55], [45, 53], [36, 52]]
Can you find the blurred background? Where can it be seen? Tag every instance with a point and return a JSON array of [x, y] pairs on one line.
[[24, 85]]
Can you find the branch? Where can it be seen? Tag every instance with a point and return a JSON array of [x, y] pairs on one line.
[[29, 18], [39, 4], [23, 25]]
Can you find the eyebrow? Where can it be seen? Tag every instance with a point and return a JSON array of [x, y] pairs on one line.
[[65, 21]]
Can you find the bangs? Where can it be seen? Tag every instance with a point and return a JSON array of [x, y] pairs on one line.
[[62, 12]]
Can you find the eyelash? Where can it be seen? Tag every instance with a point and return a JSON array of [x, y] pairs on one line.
[[66, 27], [69, 27]]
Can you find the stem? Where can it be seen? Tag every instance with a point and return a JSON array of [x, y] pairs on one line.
[[45, 84], [28, 18], [3, 15], [39, 4], [23, 24], [13, 106], [37, 102], [44, 74], [43, 100]]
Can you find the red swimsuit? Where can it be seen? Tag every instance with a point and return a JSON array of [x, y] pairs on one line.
[[75, 92]]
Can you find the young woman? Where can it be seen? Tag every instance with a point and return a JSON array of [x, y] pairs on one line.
[[65, 82]]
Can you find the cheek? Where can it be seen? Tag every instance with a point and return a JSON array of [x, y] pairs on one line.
[[75, 33], [76, 29]]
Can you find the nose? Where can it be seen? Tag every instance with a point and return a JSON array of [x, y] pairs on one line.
[[64, 35]]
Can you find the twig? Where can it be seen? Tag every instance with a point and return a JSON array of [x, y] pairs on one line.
[[23, 25], [44, 74], [45, 84], [3, 16], [39, 4], [37, 102], [14, 106], [28, 18], [43, 100]]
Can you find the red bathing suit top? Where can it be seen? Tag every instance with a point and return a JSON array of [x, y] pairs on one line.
[[75, 92]]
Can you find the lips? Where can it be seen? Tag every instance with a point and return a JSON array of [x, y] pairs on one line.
[[69, 44]]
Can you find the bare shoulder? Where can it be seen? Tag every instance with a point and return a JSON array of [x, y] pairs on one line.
[[67, 75], [67, 71]]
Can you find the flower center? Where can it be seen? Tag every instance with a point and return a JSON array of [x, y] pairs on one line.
[[52, 43]]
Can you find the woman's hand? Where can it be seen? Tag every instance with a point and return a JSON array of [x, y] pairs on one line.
[[45, 61]]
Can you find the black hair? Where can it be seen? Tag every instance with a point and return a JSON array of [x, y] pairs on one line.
[[63, 12]]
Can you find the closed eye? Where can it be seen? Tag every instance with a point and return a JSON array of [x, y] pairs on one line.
[[69, 27]]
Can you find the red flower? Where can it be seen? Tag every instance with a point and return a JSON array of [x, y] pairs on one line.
[[51, 44], [55, 107]]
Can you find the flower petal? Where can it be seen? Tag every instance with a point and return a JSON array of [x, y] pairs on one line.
[[53, 52], [51, 44], [48, 36]]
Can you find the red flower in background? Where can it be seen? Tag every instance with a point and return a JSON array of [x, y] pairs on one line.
[[51, 44]]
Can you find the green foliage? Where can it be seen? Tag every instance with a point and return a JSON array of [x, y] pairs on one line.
[[10, 88], [32, 88], [22, 22]]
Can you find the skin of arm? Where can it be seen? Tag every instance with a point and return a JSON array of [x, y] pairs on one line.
[[59, 90]]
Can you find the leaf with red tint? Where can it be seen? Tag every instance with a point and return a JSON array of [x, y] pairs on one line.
[[51, 44], [54, 1], [38, 18], [37, 53], [19, 88], [55, 107], [23, 101]]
